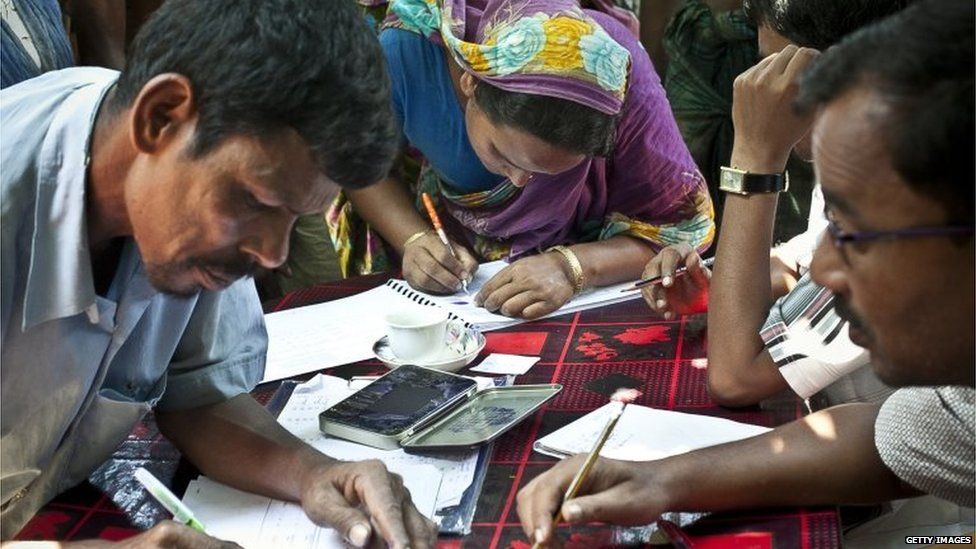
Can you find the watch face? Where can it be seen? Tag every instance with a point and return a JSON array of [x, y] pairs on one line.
[[731, 181]]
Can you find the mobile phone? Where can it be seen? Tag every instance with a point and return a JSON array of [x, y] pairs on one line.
[[395, 406]]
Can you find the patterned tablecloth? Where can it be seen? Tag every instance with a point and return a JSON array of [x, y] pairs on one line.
[[665, 357]]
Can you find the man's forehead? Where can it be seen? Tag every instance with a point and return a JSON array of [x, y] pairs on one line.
[[286, 167]]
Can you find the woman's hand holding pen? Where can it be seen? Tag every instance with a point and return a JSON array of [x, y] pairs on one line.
[[677, 295], [607, 495], [429, 266]]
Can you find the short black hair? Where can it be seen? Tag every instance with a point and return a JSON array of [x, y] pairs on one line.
[[819, 24], [260, 66], [561, 122], [920, 62]]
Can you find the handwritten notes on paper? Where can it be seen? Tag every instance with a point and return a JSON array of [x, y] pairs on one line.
[[644, 434]]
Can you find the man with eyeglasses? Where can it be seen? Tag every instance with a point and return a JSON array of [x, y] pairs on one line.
[[770, 327], [893, 143]]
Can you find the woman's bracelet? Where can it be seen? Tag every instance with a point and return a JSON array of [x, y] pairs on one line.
[[579, 279], [415, 237]]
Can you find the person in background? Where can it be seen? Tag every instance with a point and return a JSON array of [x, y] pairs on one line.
[[135, 206], [554, 149], [770, 327], [892, 145], [33, 40]]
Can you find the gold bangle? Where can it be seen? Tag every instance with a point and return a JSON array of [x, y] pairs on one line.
[[579, 279], [414, 237]]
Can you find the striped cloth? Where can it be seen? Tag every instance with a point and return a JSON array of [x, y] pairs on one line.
[[809, 342]]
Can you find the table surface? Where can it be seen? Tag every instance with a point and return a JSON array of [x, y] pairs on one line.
[[575, 349]]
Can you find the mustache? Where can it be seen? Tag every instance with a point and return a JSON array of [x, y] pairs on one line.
[[231, 268], [844, 311]]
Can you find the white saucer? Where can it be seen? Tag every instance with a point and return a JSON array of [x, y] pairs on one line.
[[453, 356]]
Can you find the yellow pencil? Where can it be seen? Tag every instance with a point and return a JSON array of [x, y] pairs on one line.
[[619, 400]]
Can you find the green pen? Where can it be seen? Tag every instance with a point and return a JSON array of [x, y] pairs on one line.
[[181, 513]]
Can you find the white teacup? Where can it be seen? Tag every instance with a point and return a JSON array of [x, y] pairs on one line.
[[416, 333]]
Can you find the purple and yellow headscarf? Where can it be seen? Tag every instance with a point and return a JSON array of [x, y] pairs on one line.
[[541, 47]]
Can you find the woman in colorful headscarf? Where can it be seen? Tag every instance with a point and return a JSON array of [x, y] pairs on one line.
[[541, 126]]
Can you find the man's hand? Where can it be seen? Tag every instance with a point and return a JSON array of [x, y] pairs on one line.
[[682, 295], [619, 492], [165, 535], [429, 266], [529, 288], [766, 126], [363, 501]]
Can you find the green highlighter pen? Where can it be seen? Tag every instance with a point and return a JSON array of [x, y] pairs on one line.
[[181, 513]]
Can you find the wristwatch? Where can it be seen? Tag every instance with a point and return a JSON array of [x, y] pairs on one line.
[[737, 181]]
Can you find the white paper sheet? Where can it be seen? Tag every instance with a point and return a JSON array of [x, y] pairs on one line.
[[343, 331], [301, 417], [463, 305], [328, 334], [499, 363], [644, 434], [255, 521]]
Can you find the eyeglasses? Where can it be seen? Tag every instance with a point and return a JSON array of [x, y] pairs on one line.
[[839, 237]]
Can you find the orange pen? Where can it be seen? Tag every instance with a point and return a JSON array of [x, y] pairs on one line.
[[436, 220]]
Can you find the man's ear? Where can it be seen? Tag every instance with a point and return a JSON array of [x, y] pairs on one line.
[[164, 107], [468, 84]]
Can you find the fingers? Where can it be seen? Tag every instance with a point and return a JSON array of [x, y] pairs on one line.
[[468, 261], [423, 531], [429, 265], [615, 505], [529, 288], [500, 280], [385, 506], [343, 488], [494, 300], [538, 501], [699, 274], [665, 264], [782, 59], [327, 506]]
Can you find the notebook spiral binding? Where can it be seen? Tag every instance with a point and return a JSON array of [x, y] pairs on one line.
[[417, 297]]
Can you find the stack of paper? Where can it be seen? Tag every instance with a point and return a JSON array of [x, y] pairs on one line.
[[644, 434], [434, 481], [301, 417]]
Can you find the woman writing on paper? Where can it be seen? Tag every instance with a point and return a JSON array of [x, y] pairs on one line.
[[540, 125]]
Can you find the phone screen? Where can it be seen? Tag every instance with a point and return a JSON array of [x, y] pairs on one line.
[[398, 400]]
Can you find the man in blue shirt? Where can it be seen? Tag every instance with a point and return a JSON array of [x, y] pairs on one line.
[[133, 208]]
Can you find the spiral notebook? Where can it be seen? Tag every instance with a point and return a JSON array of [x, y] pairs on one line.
[[462, 306], [339, 332]]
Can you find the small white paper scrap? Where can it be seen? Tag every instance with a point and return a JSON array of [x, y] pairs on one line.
[[497, 363]]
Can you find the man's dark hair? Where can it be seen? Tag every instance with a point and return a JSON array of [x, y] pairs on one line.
[[819, 24], [261, 66], [920, 62], [563, 123]]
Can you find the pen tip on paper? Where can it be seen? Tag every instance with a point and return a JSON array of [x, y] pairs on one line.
[[625, 395]]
